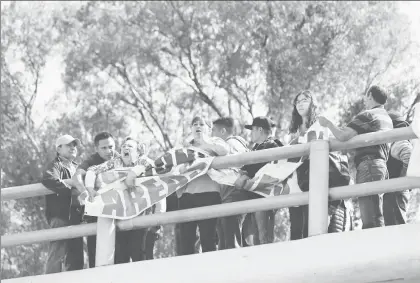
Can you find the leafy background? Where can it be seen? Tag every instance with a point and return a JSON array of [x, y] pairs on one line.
[[145, 68]]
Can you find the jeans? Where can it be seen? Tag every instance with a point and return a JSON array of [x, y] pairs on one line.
[[151, 238], [91, 242], [371, 207], [130, 245], [298, 222], [207, 227], [65, 255], [258, 227], [395, 207], [340, 219], [229, 228]]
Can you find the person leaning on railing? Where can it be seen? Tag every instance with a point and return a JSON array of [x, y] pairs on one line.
[[261, 135], [128, 244], [202, 191], [371, 160], [304, 115], [105, 150], [229, 228], [62, 207], [396, 203]]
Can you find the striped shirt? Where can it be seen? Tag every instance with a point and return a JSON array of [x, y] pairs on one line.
[[368, 121]]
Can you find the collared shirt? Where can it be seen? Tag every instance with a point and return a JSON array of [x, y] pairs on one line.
[[368, 121], [70, 165], [94, 159], [58, 204]]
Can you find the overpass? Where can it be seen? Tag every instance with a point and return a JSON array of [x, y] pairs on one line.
[[389, 254]]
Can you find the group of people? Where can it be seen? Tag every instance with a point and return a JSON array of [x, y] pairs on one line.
[[69, 180]]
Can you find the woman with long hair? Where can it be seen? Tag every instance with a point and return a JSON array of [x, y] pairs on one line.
[[304, 115], [202, 191]]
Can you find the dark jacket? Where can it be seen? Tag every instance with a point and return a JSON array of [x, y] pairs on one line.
[[252, 169], [58, 204], [339, 172]]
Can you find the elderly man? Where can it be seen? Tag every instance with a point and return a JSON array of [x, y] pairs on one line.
[[62, 207]]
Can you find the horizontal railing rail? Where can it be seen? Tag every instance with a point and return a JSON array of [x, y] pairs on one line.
[[236, 160], [317, 198], [214, 211]]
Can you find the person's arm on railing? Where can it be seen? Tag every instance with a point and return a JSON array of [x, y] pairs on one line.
[[341, 134], [52, 180], [248, 171], [214, 146], [401, 150], [93, 171]]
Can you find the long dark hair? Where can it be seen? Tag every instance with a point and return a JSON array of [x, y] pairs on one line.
[[297, 119]]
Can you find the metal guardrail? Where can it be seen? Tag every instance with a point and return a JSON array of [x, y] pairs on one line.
[[317, 197], [213, 211]]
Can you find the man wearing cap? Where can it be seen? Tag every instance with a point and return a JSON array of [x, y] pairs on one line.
[[62, 207], [396, 203], [261, 135], [370, 161]]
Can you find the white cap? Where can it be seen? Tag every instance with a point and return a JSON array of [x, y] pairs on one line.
[[66, 139]]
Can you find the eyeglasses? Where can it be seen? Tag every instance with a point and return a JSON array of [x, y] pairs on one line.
[[303, 100]]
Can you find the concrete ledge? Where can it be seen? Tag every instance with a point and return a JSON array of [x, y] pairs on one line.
[[390, 254]]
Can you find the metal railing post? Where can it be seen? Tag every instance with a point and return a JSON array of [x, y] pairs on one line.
[[318, 187], [105, 241]]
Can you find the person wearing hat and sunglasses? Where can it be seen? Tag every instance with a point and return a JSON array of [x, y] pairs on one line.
[[62, 207], [261, 136]]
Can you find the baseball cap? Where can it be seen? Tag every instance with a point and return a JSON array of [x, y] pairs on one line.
[[66, 139], [263, 122]]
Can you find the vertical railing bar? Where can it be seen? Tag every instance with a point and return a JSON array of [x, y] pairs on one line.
[[105, 241], [318, 187]]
